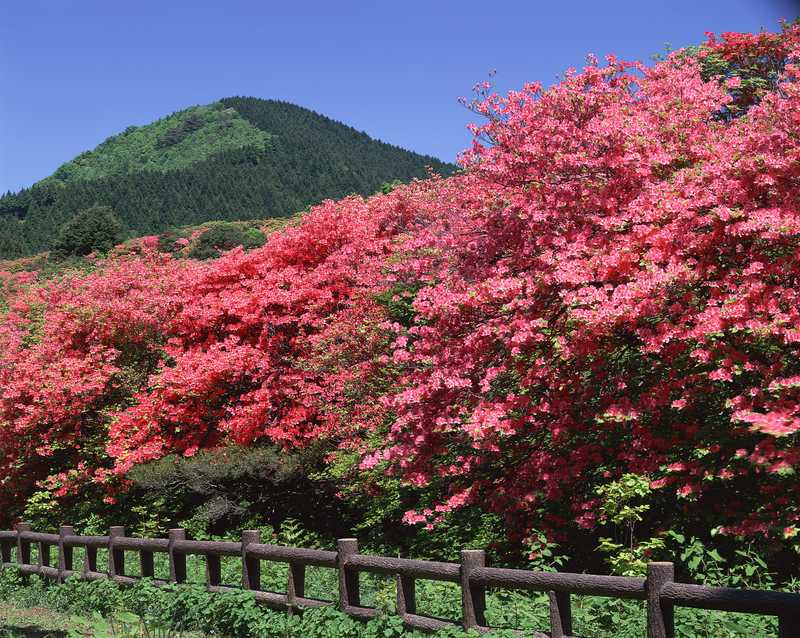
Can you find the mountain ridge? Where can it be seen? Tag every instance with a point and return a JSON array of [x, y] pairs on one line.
[[237, 158]]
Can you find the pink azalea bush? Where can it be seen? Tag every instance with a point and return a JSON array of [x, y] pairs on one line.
[[612, 285]]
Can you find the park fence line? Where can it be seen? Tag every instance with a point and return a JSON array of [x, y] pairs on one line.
[[659, 589]]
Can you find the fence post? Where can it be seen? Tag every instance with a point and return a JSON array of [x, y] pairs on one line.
[[406, 595], [251, 567], [146, 564], [44, 555], [5, 550], [64, 552], [116, 557], [560, 614], [660, 621], [213, 570], [89, 560], [177, 562], [473, 597], [349, 594], [789, 626], [295, 584], [23, 547]]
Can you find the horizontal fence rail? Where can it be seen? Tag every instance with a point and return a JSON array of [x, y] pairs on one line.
[[659, 590]]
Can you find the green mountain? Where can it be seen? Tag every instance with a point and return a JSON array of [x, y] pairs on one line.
[[237, 159]]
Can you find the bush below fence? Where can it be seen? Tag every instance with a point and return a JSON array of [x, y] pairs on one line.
[[659, 589]]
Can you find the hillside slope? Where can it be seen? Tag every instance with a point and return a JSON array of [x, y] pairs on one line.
[[239, 158]]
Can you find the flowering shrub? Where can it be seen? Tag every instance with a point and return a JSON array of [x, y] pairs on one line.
[[71, 352], [611, 287]]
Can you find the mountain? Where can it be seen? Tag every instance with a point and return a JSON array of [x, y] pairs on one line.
[[236, 159]]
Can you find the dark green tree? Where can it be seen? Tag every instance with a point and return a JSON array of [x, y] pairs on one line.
[[94, 229]]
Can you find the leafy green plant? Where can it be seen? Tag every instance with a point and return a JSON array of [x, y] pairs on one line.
[[623, 504], [707, 566], [42, 510], [293, 534]]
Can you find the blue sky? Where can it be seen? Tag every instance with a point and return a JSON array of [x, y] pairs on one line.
[[74, 72]]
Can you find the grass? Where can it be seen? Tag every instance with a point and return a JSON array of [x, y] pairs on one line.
[[15, 619], [43, 622]]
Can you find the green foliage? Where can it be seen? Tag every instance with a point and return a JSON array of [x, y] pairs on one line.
[[234, 487], [293, 534], [379, 502], [619, 499], [167, 240], [630, 560], [119, 625], [623, 504], [542, 554], [222, 237], [42, 510], [399, 303], [179, 133], [388, 187], [206, 469], [150, 518], [173, 142], [144, 609], [706, 566], [94, 229]]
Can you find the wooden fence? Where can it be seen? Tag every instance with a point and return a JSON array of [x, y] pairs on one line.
[[660, 591]]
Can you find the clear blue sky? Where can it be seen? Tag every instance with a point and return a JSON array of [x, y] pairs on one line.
[[74, 72]]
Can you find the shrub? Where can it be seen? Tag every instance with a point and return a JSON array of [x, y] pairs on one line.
[[225, 236], [233, 487], [94, 229]]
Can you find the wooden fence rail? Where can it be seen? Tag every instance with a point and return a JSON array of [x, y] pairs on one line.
[[660, 591]]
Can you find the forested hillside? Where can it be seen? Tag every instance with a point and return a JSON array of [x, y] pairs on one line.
[[239, 158]]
